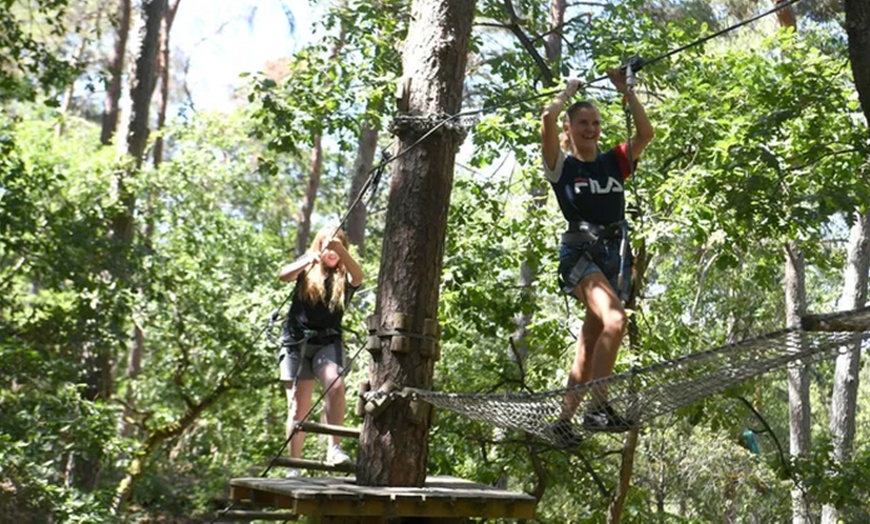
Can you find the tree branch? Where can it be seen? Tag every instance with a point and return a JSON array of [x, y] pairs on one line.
[[527, 44]]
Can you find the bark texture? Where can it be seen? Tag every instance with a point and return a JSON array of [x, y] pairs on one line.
[[111, 105], [844, 398], [798, 378], [394, 447], [365, 155]]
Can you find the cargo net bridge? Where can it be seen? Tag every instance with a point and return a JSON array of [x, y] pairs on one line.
[[642, 394]]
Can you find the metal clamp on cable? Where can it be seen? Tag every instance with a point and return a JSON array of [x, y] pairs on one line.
[[378, 401]]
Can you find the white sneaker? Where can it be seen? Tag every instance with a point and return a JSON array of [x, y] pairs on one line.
[[336, 455], [293, 473]]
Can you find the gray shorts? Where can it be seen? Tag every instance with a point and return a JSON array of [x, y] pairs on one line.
[[302, 361]]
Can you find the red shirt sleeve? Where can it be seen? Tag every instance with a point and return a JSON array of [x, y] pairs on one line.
[[621, 152]]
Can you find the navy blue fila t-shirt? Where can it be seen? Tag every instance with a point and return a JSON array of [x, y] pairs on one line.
[[591, 191]]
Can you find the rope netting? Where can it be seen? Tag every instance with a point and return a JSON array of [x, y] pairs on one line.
[[642, 394]]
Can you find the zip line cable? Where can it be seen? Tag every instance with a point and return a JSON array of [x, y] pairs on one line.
[[636, 63]]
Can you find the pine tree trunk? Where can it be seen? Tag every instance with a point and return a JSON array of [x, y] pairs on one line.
[[111, 108], [365, 155], [798, 378], [163, 73], [394, 447], [304, 218], [786, 16], [858, 30], [98, 358], [844, 398]]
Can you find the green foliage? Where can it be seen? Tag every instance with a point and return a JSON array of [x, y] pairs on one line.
[[30, 67], [759, 142], [829, 481], [332, 86]]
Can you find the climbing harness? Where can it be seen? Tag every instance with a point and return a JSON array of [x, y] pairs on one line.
[[593, 235]]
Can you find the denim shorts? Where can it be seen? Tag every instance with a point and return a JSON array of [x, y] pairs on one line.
[[578, 260], [302, 361]]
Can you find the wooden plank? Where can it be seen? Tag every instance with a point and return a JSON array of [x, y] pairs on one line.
[[441, 497], [241, 492], [325, 519], [433, 508], [244, 515], [329, 429], [314, 465]]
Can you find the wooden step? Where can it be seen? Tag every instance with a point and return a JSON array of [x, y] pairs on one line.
[[329, 429], [315, 465], [246, 515]]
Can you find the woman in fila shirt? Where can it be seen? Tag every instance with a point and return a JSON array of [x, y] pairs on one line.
[[589, 188]]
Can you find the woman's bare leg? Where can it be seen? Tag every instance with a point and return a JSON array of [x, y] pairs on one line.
[[603, 304], [335, 403], [581, 370], [298, 404]]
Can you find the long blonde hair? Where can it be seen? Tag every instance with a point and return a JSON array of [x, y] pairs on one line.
[[313, 286]]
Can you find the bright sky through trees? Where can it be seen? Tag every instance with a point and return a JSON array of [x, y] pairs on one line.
[[224, 38]]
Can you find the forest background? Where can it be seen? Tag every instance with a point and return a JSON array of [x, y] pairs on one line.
[[139, 249]]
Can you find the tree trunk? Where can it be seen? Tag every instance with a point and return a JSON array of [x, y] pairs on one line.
[[304, 217], [111, 107], [858, 30], [629, 446], [799, 414], [798, 378], [786, 16], [163, 73], [844, 398], [134, 360], [393, 446], [518, 349], [144, 79], [122, 222], [69, 92], [554, 39], [614, 512], [365, 154], [98, 357]]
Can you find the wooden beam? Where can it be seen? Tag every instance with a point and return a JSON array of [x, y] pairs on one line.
[[328, 429], [314, 465], [245, 515]]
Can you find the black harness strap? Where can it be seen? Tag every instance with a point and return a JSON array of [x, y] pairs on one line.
[[582, 231]]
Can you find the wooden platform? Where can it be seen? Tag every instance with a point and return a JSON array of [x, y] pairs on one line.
[[314, 465], [340, 499]]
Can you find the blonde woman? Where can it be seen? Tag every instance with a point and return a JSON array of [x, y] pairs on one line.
[[326, 278]]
